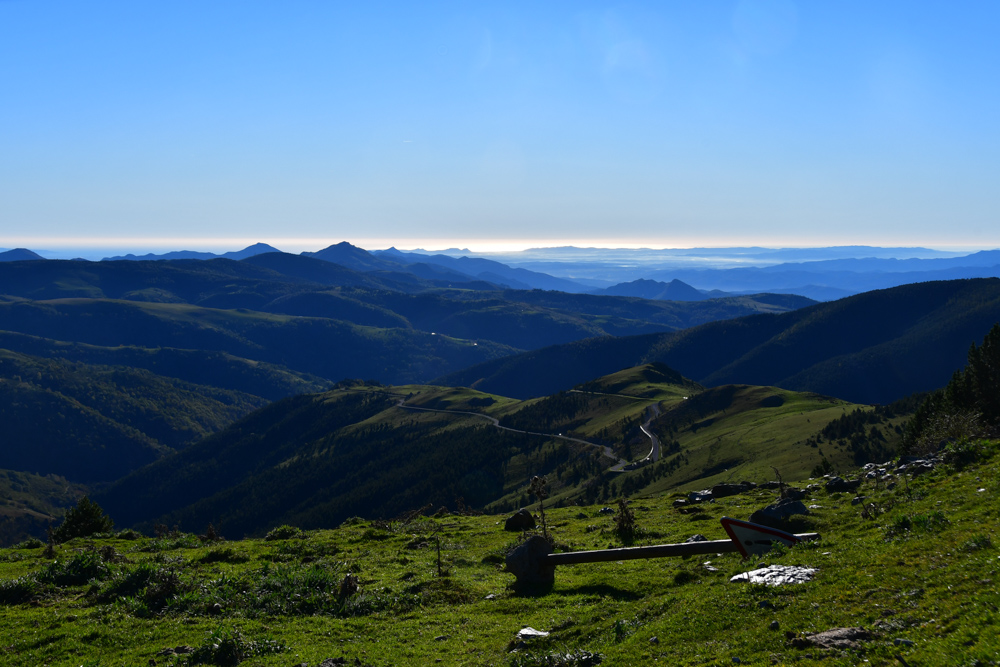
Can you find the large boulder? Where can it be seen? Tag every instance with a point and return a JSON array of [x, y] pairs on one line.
[[838, 485], [775, 515], [520, 520]]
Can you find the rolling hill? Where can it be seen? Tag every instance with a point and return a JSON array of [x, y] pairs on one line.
[[375, 451], [874, 347]]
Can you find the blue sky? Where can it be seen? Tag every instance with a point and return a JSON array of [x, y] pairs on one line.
[[146, 125]]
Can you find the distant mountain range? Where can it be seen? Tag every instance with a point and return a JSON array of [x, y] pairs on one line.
[[249, 251], [823, 274]]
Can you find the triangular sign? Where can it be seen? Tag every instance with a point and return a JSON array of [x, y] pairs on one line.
[[754, 539]]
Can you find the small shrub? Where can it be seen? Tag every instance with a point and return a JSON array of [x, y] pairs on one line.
[[171, 542], [228, 647], [930, 523], [16, 591], [224, 555], [966, 451], [129, 534], [30, 543], [900, 524], [84, 520], [823, 468], [76, 571], [625, 527], [285, 532], [151, 587], [211, 535], [978, 542]]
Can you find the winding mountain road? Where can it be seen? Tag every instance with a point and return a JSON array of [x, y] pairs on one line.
[[607, 451]]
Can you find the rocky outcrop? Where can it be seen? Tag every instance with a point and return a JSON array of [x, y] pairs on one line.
[[520, 520]]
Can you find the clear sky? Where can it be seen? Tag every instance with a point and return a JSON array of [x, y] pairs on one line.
[[179, 124]]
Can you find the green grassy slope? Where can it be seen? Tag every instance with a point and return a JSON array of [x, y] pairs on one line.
[[914, 567], [317, 459]]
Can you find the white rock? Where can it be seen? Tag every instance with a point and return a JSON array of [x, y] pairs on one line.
[[530, 633], [777, 575]]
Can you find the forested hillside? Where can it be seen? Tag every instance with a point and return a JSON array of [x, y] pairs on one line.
[[875, 347]]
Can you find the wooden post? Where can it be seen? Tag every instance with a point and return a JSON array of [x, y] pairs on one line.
[[655, 551]]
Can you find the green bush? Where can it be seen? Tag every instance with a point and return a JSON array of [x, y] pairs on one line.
[[16, 591], [285, 532], [966, 451], [30, 543], [84, 520], [228, 647], [76, 571]]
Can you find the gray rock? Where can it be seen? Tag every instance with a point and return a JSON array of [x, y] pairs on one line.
[[605, 510], [775, 625], [520, 520], [654, 640], [838, 485], [839, 638], [696, 538], [774, 515], [700, 496], [857, 500], [791, 493], [526, 562]]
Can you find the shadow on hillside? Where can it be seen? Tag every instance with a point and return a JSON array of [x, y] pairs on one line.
[[530, 590], [604, 590]]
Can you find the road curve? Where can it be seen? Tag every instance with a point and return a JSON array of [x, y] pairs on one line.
[[607, 451]]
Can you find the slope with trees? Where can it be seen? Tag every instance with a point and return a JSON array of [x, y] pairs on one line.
[[871, 348]]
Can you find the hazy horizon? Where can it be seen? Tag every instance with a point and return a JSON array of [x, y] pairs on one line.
[[96, 250]]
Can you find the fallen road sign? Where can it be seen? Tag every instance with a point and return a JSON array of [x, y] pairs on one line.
[[752, 539]]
